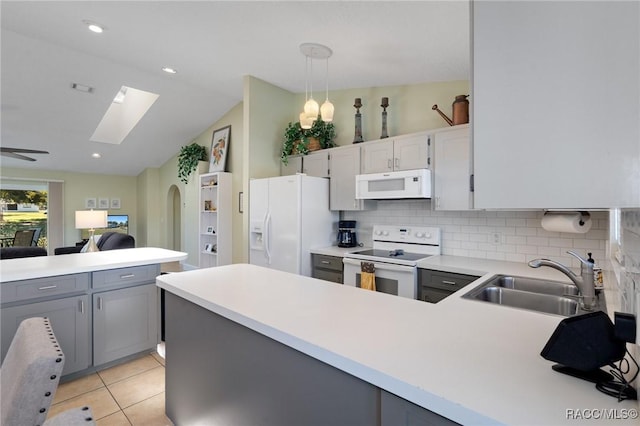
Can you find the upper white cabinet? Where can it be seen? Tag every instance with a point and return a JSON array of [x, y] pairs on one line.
[[215, 219], [406, 152], [452, 169], [344, 165], [556, 105], [316, 164]]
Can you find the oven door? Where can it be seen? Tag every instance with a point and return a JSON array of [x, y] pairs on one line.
[[399, 280]]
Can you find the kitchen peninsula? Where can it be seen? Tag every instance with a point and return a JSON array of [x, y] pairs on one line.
[[103, 306], [249, 345]]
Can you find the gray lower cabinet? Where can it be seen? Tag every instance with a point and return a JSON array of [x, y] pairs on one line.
[[125, 322], [221, 372], [70, 318], [396, 411], [433, 286], [328, 268]]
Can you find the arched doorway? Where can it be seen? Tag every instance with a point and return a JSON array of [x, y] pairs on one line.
[[174, 219]]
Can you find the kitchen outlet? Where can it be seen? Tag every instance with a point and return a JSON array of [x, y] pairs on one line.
[[495, 237]]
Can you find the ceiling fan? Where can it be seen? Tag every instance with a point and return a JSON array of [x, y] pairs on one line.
[[17, 153]]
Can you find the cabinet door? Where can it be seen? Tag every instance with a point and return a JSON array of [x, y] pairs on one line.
[[125, 322], [316, 164], [411, 152], [555, 104], [293, 166], [452, 170], [398, 411], [344, 165], [70, 319], [377, 157]]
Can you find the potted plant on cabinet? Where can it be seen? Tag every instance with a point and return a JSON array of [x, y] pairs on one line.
[[302, 141], [188, 160]]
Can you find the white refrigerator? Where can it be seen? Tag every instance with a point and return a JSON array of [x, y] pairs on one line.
[[288, 216]]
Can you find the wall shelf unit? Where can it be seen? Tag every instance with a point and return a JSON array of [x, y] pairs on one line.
[[215, 219]]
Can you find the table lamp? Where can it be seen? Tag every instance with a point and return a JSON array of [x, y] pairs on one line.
[[91, 219]]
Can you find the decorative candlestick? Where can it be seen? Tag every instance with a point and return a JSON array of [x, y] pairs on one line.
[[358, 135], [384, 104]]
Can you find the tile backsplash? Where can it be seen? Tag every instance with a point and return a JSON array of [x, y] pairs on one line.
[[630, 261], [501, 235]]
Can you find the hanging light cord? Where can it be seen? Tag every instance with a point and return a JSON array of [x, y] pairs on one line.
[[327, 80]]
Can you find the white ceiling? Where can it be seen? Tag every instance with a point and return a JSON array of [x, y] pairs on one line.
[[45, 47]]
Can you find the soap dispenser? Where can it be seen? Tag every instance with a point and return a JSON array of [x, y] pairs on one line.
[[597, 272]]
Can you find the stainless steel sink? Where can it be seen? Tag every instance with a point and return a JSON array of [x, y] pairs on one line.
[[533, 285], [527, 293]]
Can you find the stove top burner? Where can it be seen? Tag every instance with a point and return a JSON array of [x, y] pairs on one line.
[[392, 254]]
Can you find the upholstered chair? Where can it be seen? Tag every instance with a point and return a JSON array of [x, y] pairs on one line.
[[29, 378]]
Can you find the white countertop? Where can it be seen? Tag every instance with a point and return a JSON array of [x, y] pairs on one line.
[[46, 266], [336, 251], [472, 362]]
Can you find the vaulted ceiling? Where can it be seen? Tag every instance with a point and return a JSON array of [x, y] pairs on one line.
[[46, 47]]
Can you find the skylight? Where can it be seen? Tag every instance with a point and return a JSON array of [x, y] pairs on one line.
[[127, 109]]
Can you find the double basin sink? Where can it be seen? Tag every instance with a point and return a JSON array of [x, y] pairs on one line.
[[546, 296]]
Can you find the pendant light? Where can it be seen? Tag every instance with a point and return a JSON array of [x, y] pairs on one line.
[[326, 110], [306, 122], [311, 109]]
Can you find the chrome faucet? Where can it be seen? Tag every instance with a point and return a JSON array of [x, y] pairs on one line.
[[584, 282]]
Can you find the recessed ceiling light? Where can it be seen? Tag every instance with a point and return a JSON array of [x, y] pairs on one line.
[[96, 155], [96, 28], [170, 70]]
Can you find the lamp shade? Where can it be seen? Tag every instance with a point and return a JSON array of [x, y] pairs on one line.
[[311, 108], [90, 219], [326, 111]]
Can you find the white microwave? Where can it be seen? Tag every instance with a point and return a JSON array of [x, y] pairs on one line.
[[390, 185]]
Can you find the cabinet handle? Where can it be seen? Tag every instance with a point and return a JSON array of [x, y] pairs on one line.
[[396, 162], [448, 282], [82, 306], [99, 303], [389, 163], [127, 276], [325, 262], [47, 287]]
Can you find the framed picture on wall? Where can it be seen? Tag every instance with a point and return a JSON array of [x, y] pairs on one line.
[[219, 148], [90, 203], [103, 203], [115, 203]]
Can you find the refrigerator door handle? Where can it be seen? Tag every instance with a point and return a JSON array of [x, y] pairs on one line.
[[266, 237]]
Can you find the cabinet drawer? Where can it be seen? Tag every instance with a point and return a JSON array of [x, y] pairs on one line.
[[445, 280], [44, 287], [125, 276], [327, 262], [332, 276], [433, 295]]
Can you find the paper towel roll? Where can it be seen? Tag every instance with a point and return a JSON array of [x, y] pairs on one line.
[[575, 222]]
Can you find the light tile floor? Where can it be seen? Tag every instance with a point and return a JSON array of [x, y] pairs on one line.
[[127, 394]]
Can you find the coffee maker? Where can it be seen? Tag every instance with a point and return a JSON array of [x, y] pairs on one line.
[[347, 233]]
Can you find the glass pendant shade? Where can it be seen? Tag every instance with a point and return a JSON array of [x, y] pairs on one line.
[[311, 108], [326, 111], [305, 122]]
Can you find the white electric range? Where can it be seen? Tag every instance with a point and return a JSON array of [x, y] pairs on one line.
[[395, 255]]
